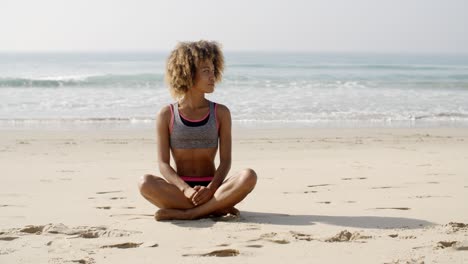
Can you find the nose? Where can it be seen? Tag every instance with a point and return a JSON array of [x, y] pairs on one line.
[[212, 76]]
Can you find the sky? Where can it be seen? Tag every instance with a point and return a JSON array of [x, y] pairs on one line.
[[382, 26]]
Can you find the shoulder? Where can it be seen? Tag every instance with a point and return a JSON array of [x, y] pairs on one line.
[[223, 115], [222, 110], [165, 113]]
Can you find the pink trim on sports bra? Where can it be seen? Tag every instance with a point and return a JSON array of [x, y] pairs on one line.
[[191, 120]]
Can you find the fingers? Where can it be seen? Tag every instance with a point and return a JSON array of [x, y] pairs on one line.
[[190, 193], [202, 196], [205, 197], [195, 193]]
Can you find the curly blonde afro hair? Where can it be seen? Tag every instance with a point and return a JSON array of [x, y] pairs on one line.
[[183, 61]]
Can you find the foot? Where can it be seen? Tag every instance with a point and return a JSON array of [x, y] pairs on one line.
[[227, 211], [172, 214]]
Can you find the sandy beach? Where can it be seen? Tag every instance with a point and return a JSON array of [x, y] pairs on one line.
[[377, 195]]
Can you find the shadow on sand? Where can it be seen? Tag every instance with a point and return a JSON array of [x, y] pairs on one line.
[[374, 222]]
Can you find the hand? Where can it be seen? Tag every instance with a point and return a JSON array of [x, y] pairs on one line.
[[202, 195], [189, 193]]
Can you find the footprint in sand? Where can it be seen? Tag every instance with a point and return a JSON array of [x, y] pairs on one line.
[[301, 236], [217, 253], [458, 225], [32, 229], [461, 246], [108, 192], [401, 237], [102, 232], [103, 207], [84, 261], [349, 179], [385, 187], [393, 208], [346, 236], [300, 192], [123, 245], [255, 246], [455, 227], [59, 245], [6, 251], [445, 244], [251, 227], [270, 237], [318, 185], [8, 238], [429, 196], [407, 261], [116, 142], [76, 232]]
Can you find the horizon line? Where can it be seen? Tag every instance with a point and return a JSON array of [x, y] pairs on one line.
[[299, 51]]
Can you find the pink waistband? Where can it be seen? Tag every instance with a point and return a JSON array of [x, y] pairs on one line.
[[196, 178]]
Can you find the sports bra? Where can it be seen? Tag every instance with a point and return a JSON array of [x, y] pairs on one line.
[[185, 136]]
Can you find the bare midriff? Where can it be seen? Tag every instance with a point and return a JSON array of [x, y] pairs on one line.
[[195, 162]]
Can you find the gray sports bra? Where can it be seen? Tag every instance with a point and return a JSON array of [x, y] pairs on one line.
[[183, 136]]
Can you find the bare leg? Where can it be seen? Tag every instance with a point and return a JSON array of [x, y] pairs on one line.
[[163, 194], [234, 190]]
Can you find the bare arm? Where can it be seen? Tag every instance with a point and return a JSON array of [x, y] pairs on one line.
[[162, 127]]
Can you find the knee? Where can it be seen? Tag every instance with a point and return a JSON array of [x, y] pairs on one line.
[[144, 183], [249, 178]]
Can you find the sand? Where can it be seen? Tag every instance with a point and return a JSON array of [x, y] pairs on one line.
[[323, 196]]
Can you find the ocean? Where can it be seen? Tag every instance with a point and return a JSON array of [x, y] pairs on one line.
[[262, 89]]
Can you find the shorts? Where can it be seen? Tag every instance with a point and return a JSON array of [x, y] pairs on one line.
[[193, 181]]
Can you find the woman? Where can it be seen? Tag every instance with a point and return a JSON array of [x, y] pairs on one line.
[[191, 129]]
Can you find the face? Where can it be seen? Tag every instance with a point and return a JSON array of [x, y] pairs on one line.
[[204, 77]]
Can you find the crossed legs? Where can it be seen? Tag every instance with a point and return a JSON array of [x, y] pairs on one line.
[[175, 206]]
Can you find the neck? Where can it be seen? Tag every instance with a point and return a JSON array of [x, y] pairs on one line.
[[193, 100]]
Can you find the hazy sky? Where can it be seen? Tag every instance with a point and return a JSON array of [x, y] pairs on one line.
[[428, 26]]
